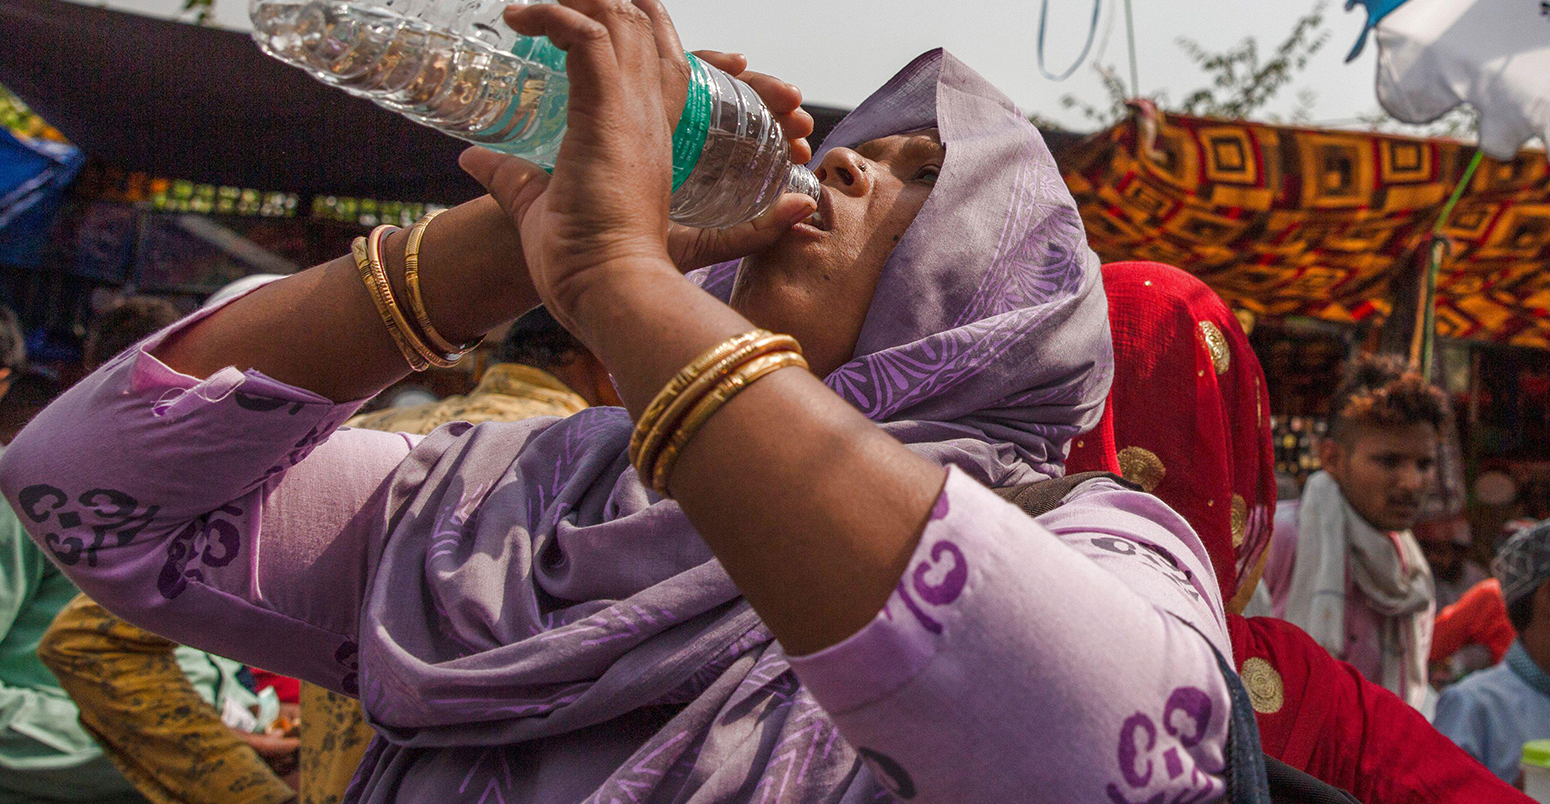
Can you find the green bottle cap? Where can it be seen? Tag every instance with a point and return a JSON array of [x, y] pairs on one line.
[[1537, 753]]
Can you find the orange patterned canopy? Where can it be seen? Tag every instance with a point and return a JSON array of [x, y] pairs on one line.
[[1295, 221]]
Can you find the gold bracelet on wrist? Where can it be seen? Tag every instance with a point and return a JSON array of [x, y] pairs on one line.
[[422, 317], [700, 384], [680, 381], [379, 273], [740, 378], [361, 252]]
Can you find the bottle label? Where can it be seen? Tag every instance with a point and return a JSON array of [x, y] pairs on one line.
[[694, 124], [539, 50]]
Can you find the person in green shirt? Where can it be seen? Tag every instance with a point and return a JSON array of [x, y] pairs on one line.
[[46, 755]]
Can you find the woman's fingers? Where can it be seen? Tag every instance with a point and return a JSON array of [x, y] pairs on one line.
[[780, 96], [673, 66], [633, 39], [590, 59], [731, 63], [668, 46], [785, 103], [783, 99], [798, 126], [697, 248]]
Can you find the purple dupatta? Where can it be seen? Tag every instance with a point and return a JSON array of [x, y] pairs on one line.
[[542, 628]]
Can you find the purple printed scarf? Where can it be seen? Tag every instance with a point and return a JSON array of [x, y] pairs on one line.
[[544, 629]]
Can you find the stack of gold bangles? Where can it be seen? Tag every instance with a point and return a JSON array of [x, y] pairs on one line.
[[419, 342], [697, 392]]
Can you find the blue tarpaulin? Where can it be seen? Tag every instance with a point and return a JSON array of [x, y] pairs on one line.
[[33, 178]]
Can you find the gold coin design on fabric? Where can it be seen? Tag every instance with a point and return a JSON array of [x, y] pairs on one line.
[[1240, 520], [1141, 467], [1216, 344], [1266, 692], [1259, 406]]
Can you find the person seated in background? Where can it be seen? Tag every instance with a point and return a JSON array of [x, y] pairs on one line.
[[1446, 542], [1359, 582], [539, 370], [45, 754], [1188, 419], [1491, 714], [524, 382], [155, 707], [122, 324]]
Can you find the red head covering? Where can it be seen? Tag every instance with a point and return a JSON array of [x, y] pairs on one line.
[[1188, 416]]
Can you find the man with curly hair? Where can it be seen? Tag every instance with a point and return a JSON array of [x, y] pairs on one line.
[[1360, 584]]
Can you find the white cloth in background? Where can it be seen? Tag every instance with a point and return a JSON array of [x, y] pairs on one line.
[[1493, 54]]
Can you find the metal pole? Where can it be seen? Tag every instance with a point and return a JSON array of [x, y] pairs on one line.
[[1424, 342], [1130, 34]]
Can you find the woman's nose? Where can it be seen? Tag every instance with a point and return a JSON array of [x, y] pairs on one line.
[[846, 171]]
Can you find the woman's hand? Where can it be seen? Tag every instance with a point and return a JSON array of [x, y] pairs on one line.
[[517, 185], [605, 209], [697, 248]]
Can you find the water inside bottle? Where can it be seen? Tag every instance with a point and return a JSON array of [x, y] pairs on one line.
[[465, 86], [455, 66]]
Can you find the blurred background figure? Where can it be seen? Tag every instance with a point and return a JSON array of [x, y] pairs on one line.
[[1463, 635], [1491, 714], [1471, 634], [122, 325], [1446, 543], [46, 755], [539, 370], [155, 707]]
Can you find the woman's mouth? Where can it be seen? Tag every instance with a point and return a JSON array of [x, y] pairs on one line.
[[822, 217]]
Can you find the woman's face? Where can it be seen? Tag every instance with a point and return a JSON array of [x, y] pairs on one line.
[[816, 284]]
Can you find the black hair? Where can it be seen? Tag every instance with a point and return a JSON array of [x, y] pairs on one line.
[[123, 325], [13, 344], [537, 339], [1521, 611], [31, 390], [1382, 391]]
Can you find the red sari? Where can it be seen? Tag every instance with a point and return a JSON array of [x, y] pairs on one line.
[[1188, 419]]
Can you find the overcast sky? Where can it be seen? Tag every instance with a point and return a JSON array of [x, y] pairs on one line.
[[838, 51]]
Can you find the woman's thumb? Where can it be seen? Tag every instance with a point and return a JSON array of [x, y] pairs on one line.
[[512, 182], [763, 231]]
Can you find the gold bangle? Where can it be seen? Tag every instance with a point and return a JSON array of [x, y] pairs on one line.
[[360, 251], [681, 380], [744, 376], [701, 385], [417, 302], [379, 273]]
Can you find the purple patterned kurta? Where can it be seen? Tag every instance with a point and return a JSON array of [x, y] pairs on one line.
[[525, 622]]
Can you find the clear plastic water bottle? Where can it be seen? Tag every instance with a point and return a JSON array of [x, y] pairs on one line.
[[456, 66]]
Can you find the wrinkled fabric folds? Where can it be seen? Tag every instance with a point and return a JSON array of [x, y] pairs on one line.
[[531, 587]]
